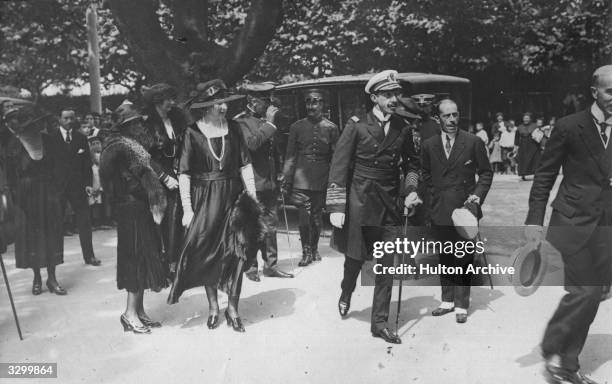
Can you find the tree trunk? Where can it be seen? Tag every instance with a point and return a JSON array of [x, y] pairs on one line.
[[189, 57]]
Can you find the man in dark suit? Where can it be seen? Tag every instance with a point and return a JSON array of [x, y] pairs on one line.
[[73, 175], [310, 147], [364, 189], [579, 225], [259, 130], [450, 163]]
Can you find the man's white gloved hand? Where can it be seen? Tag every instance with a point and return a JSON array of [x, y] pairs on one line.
[[270, 113], [171, 183], [336, 219], [412, 200]]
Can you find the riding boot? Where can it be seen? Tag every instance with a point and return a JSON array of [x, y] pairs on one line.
[[306, 250]]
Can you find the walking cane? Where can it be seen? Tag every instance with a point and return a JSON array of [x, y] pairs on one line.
[[8, 289], [287, 229], [399, 297], [484, 256]]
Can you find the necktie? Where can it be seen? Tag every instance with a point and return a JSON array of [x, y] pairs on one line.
[[68, 137], [602, 131], [448, 146]]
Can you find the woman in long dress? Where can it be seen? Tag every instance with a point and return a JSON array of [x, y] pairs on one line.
[[139, 202], [526, 147], [39, 240], [166, 123], [222, 220]]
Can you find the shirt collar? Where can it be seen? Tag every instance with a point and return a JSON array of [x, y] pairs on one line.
[[598, 115], [380, 115]]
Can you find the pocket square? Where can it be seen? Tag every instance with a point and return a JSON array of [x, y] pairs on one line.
[[468, 162], [81, 150]]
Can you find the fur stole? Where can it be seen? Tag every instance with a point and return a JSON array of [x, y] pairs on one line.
[[247, 227], [122, 154]]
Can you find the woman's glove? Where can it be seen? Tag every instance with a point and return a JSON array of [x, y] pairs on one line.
[[187, 217]]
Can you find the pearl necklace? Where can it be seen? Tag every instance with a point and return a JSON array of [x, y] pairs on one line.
[[204, 127]]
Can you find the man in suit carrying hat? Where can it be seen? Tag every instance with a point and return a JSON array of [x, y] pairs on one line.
[[451, 161], [579, 225]]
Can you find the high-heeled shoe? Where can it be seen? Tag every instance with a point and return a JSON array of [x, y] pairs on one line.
[[235, 323], [213, 321], [36, 288], [58, 290], [149, 323], [128, 326]]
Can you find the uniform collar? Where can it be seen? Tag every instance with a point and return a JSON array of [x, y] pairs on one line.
[[380, 115]]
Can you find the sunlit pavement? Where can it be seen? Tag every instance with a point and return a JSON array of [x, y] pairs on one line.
[[293, 331]]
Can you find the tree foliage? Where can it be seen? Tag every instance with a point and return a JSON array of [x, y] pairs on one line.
[[186, 41]]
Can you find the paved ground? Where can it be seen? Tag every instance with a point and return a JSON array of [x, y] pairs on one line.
[[294, 334]]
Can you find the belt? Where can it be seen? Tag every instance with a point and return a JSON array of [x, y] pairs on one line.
[[215, 175], [381, 174]]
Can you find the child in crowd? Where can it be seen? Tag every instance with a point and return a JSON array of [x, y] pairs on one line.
[[480, 132], [495, 151], [94, 194]]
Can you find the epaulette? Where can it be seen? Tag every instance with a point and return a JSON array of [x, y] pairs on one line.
[[329, 121], [355, 119]]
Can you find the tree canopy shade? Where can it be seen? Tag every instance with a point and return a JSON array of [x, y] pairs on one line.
[[187, 41], [188, 54]]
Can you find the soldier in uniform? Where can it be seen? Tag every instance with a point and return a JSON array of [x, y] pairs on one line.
[[311, 144], [374, 146], [429, 125], [258, 129]]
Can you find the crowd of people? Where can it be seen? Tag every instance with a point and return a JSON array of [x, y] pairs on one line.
[[195, 193], [515, 149]]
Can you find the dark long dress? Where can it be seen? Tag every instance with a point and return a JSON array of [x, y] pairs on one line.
[[140, 261], [39, 240], [165, 156], [528, 155], [205, 258]]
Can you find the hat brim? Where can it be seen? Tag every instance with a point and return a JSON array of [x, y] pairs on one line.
[[530, 266], [129, 119], [388, 87], [30, 124], [208, 103], [465, 223], [401, 111]]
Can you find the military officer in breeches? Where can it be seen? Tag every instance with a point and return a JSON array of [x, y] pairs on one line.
[[310, 147]]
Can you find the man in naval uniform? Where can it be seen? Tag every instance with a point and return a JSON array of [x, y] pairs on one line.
[[364, 190]]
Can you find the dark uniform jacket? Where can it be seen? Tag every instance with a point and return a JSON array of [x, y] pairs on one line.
[[259, 137], [364, 178], [309, 152], [73, 163], [584, 193], [452, 180]]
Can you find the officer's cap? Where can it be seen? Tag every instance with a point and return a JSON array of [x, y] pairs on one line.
[[383, 81], [423, 98]]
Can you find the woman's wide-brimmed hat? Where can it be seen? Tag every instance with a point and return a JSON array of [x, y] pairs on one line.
[[157, 93], [126, 113], [25, 118], [211, 93]]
